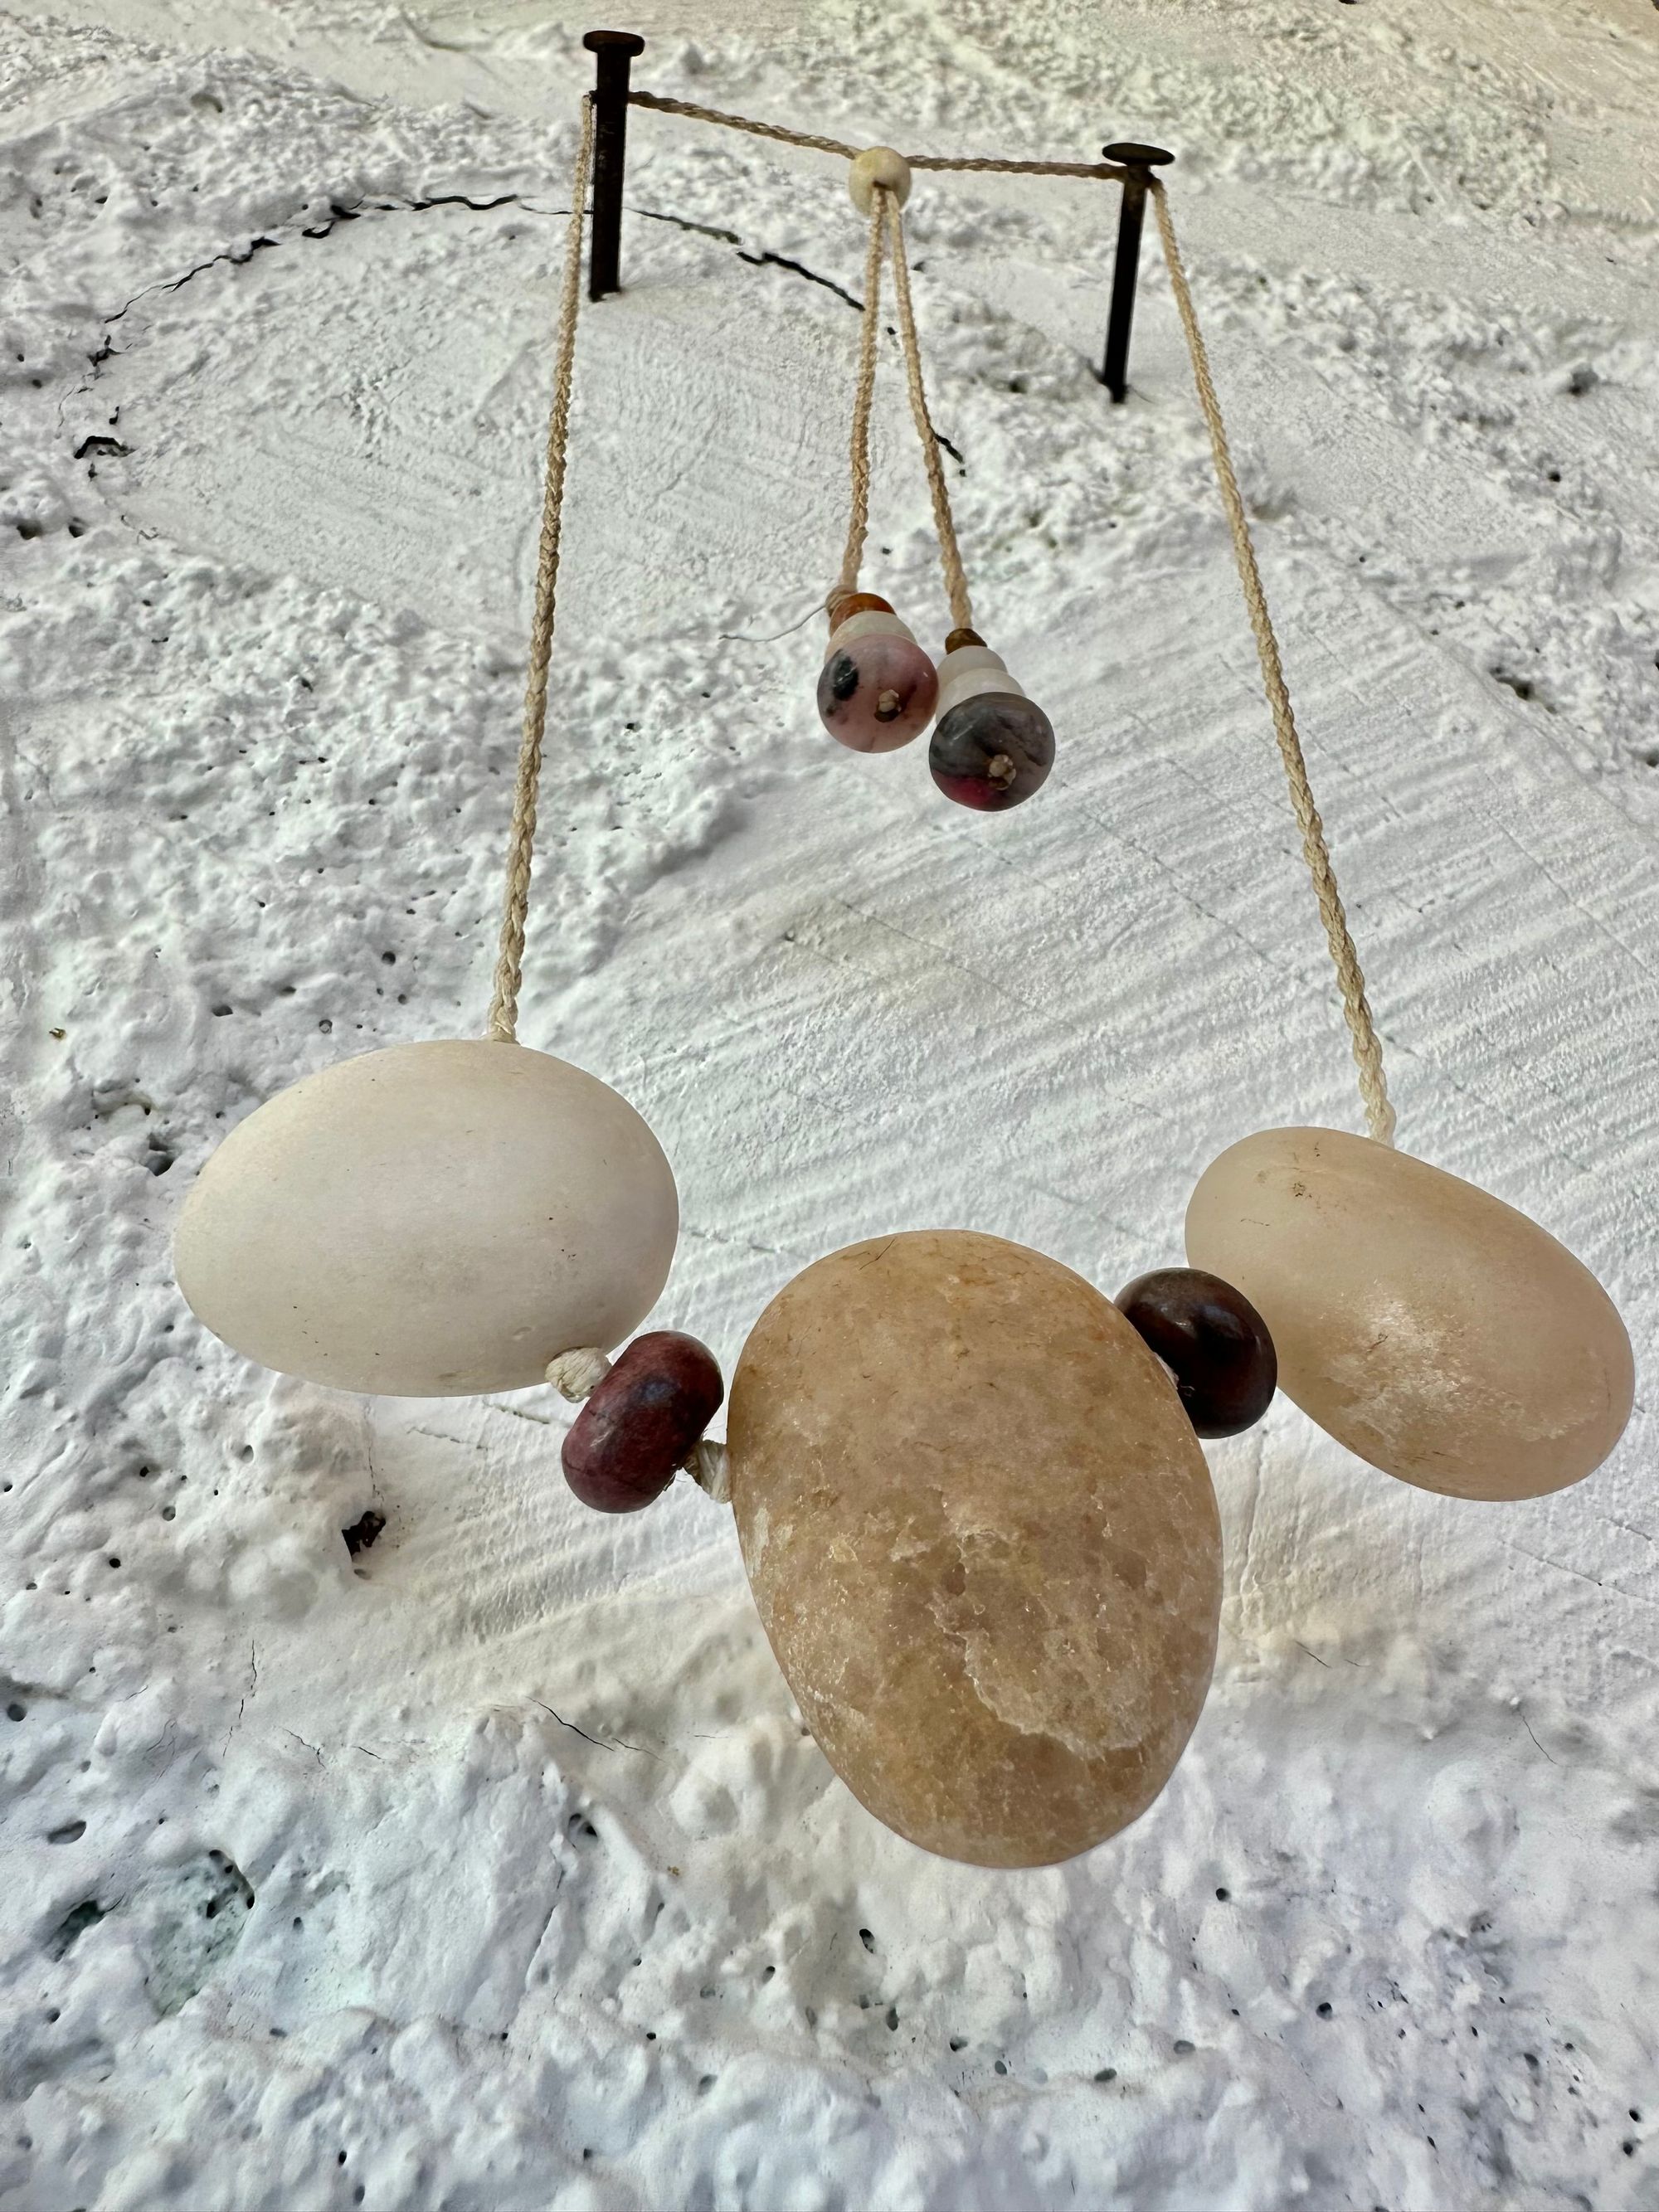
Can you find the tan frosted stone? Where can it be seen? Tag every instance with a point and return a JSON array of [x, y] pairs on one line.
[[982, 1537], [1433, 1329], [430, 1220]]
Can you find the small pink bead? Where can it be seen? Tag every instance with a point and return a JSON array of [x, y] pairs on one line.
[[877, 692]]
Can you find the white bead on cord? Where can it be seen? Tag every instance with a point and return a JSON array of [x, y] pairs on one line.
[[968, 671], [877, 165], [868, 622]]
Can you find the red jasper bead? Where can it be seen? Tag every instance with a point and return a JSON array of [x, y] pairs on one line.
[[1211, 1339], [640, 1422]]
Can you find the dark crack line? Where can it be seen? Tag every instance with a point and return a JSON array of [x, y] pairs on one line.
[[684, 223], [177, 284], [338, 213], [1525, 1723], [518, 1414], [253, 1684], [541, 1933], [767, 260], [598, 1741]]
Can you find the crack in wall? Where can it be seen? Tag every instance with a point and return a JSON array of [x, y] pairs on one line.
[[341, 212]]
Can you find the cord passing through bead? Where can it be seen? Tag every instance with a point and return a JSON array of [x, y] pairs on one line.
[[879, 164], [577, 1374], [709, 1469]]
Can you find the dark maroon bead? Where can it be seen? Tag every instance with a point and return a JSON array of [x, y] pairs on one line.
[[1214, 1340], [992, 751], [639, 1424]]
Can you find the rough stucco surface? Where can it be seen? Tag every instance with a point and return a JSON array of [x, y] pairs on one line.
[[488, 1865]]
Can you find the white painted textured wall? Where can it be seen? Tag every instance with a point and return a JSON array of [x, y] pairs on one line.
[[491, 1868]]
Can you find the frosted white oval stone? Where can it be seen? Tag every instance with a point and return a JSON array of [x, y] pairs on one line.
[[1434, 1330], [430, 1220]]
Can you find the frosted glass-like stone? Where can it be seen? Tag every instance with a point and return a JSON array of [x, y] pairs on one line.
[[430, 1220], [877, 688], [982, 1541], [1430, 1327]]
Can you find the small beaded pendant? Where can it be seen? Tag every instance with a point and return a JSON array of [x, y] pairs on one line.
[[991, 746], [878, 687]]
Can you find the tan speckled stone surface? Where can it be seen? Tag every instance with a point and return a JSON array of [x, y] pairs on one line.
[[982, 1540], [1433, 1329]]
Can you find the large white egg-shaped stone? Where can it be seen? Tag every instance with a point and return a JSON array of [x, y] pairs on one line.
[[430, 1220], [1434, 1330]]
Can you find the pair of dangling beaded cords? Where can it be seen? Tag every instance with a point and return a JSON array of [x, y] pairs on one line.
[[991, 746], [577, 1374]]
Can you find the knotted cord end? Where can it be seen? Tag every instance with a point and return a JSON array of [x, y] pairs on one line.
[[708, 1467], [577, 1374]]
